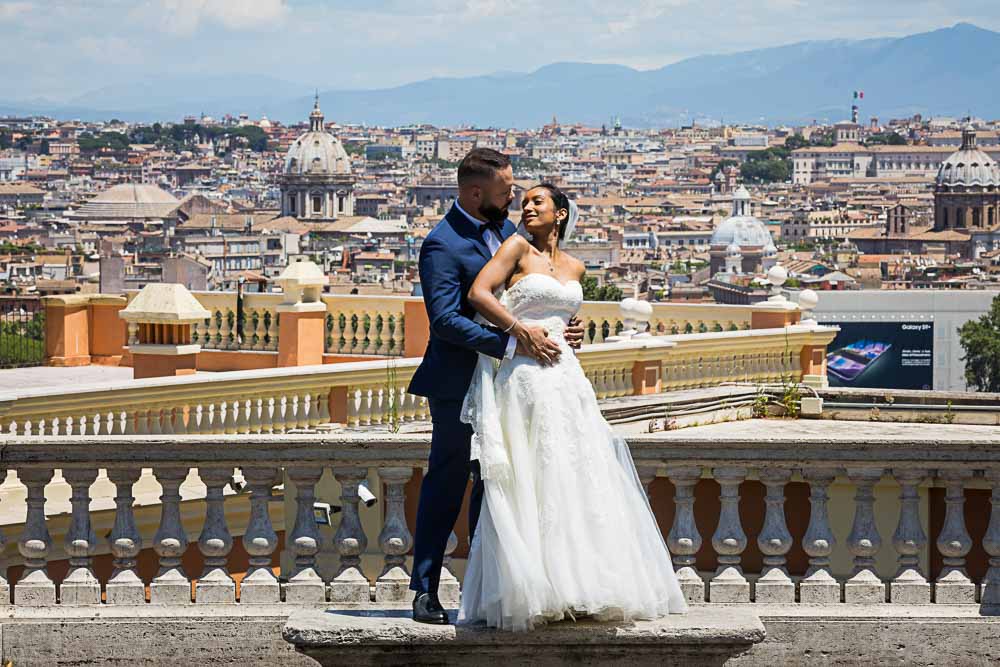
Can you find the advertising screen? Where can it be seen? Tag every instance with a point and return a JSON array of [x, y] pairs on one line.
[[882, 355]]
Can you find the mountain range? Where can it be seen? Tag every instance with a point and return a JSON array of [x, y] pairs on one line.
[[943, 72]]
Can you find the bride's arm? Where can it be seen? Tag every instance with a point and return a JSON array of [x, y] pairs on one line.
[[496, 273]]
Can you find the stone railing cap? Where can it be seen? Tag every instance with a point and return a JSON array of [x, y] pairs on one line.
[[167, 303], [305, 274], [57, 300]]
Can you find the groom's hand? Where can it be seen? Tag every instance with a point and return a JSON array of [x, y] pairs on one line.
[[574, 333], [535, 342]]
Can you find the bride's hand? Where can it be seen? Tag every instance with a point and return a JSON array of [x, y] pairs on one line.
[[574, 333], [534, 342]]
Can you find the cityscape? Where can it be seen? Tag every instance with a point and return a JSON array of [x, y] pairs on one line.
[[211, 309]]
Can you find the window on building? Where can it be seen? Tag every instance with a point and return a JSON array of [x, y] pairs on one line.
[[291, 203], [317, 203], [340, 203]]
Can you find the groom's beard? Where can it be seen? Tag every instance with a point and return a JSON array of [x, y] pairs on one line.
[[493, 213]]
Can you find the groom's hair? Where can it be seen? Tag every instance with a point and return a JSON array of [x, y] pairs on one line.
[[481, 164], [560, 200]]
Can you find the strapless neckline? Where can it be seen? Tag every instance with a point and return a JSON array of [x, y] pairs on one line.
[[544, 275]]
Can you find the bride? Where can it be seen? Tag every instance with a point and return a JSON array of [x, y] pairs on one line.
[[565, 528]]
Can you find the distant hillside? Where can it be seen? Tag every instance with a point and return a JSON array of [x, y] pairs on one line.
[[949, 71]]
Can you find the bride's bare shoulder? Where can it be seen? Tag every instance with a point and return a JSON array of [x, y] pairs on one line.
[[576, 267]]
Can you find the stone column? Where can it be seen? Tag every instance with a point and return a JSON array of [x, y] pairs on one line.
[[305, 584], [684, 540], [909, 586], [864, 586], [818, 586], [953, 585], [170, 585], [260, 585], [393, 585], [215, 541], [350, 585], [35, 588], [729, 540], [125, 586], [991, 543], [774, 541], [4, 584], [80, 585]]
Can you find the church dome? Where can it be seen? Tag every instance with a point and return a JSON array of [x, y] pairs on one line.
[[968, 166], [129, 201], [317, 152], [741, 228]]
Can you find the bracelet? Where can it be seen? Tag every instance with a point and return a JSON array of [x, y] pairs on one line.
[[512, 325]]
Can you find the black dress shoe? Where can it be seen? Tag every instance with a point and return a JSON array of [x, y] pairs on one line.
[[427, 609]]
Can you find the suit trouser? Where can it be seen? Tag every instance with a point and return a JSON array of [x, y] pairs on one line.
[[441, 493]]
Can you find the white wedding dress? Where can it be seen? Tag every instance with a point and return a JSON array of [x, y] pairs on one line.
[[566, 528]]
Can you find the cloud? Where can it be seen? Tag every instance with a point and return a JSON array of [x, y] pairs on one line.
[[186, 16], [11, 10]]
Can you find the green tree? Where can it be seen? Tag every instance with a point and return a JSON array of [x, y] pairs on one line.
[[593, 292], [980, 340], [886, 138], [796, 141], [722, 165], [5, 140]]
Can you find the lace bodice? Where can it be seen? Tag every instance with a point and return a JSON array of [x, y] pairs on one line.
[[539, 299]]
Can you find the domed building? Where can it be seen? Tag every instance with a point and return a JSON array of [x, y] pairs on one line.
[[317, 184], [740, 242], [967, 189], [129, 203]]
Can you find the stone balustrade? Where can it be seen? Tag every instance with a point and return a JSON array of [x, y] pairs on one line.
[[279, 400], [799, 494]]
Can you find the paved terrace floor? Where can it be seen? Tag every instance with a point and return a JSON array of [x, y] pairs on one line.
[[39, 377]]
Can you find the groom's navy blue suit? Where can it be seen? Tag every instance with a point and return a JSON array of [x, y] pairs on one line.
[[451, 257]]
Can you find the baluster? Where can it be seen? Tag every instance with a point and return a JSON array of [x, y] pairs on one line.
[[256, 408], [336, 333], [305, 584], [179, 427], [267, 415], [302, 411], [774, 541], [243, 408], [729, 540], [229, 426], [80, 585], [449, 590], [133, 333], [355, 326], [167, 420], [818, 586], [380, 334], [953, 585], [909, 586], [398, 336], [260, 585], [215, 542], [365, 407], [864, 586], [218, 418], [350, 584], [369, 334], [35, 588], [125, 586], [395, 539], [991, 543], [312, 414], [323, 408], [378, 405], [170, 585], [684, 540], [282, 414], [154, 421]]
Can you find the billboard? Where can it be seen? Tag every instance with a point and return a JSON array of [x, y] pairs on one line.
[[882, 355]]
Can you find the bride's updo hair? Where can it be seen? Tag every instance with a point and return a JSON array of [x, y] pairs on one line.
[[561, 201]]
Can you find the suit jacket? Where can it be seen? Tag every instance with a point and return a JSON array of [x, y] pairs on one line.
[[451, 257]]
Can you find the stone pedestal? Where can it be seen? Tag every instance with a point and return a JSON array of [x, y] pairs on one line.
[[67, 330], [163, 314], [301, 316]]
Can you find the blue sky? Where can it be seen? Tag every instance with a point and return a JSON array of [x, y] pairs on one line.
[[57, 49]]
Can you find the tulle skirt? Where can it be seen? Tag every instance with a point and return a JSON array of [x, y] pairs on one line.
[[565, 529]]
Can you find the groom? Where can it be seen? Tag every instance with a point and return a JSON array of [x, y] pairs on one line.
[[451, 257]]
